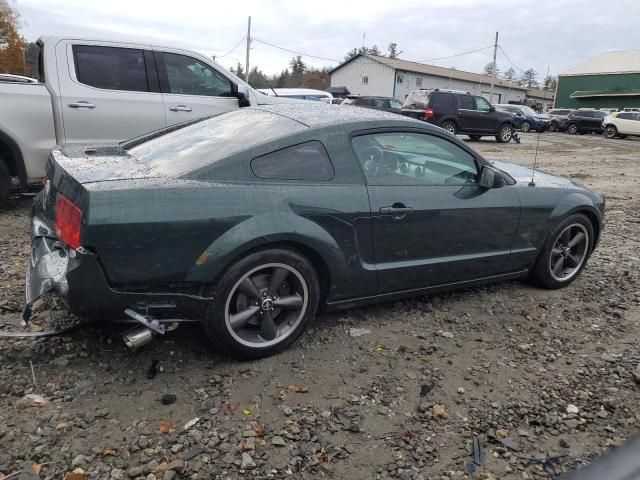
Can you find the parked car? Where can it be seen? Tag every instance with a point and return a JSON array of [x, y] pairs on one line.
[[525, 118], [558, 117], [254, 219], [584, 121], [299, 93], [102, 91], [459, 112], [621, 124], [10, 78], [386, 104]]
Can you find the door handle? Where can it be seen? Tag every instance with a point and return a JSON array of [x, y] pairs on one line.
[[397, 210], [180, 108], [81, 104]]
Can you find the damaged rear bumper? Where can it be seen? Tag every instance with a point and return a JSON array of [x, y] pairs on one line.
[[78, 278]]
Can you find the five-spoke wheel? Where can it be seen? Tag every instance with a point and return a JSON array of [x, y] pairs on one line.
[[262, 303], [565, 252], [266, 304], [569, 252]]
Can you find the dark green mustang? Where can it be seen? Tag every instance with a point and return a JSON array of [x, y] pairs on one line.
[[252, 220]]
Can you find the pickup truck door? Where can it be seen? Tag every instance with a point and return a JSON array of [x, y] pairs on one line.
[[193, 88], [108, 92]]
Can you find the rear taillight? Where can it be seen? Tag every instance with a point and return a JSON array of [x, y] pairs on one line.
[[68, 222], [429, 113]]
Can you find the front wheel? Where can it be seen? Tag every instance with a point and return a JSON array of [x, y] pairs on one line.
[[449, 126], [263, 303], [572, 128], [553, 127], [505, 132], [565, 253], [610, 131], [525, 127]]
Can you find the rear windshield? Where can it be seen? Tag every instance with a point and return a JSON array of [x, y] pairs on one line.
[[204, 143], [417, 98]]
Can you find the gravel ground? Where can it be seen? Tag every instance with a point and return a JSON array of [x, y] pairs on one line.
[[398, 390]]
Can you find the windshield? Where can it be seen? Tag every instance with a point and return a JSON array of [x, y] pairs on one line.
[[528, 111], [201, 144]]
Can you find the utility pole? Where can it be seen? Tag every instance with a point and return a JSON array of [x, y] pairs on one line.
[[246, 67], [493, 68]]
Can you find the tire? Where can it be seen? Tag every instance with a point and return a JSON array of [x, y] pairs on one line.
[[449, 126], [505, 132], [610, 131], [572, 128], [554, 249], [246, 287], [553, 127], [5, 183], [475, 138], [525, 127]]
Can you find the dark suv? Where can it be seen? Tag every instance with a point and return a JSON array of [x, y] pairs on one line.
[[387, 104], [459, 112], [584, 121]]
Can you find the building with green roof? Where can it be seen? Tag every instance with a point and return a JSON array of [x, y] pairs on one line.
[[610, 80]]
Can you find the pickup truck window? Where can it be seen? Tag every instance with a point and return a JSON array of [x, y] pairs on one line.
[[188, 76], [111, 68]]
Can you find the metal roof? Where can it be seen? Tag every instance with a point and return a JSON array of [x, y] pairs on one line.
[[609, 62], [416, 67]]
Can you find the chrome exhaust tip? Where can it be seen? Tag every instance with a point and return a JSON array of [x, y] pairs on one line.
[[137, 337]]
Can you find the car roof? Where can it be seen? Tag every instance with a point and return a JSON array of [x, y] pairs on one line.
[[321, 115]]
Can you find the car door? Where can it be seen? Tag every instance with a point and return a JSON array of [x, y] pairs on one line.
[[432, 222], [475, 115], [634, 124], [193, 89], [108, 92]]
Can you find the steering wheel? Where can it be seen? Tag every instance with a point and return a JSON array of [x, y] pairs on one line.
[[375, 161]]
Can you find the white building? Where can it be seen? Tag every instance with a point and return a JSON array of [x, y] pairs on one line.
[[392, 77]]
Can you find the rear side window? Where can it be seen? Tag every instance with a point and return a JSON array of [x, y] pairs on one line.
[[626, 116], [111, 68], [442, 100], [307, 161], [466, 102]]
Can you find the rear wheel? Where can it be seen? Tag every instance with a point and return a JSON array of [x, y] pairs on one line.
[[5, 182], [475, 137], [610, 131], [565, 253], [505, 132], [525, 127], [572, 128], [263, 303], [449, 126]]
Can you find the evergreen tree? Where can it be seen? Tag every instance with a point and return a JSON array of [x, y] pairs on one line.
[[528, 78], [393, 50], [509, 74], [488, 68]]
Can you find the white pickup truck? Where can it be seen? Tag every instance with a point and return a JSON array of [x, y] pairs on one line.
[[103, 91]]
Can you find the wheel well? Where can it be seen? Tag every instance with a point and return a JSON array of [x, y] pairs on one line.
[[594, 223], [319, 264], [11, 155]]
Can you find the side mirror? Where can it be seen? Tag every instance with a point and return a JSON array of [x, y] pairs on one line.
[[492, 108], [243, 100], [491, 178]]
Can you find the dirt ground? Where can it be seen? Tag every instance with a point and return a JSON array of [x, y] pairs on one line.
[[545, 377]]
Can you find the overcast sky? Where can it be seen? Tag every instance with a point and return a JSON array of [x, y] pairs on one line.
[[554, 34]]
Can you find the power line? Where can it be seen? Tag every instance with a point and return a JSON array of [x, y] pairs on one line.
[[456, 55], [233, 49], [293, 51]]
